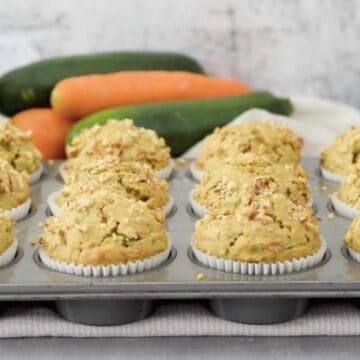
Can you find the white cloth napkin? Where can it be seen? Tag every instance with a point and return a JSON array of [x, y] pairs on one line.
[[317, 121], [175, 319]]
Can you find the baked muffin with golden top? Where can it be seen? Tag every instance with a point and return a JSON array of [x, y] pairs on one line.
[[266, 230], [349, 190], [225, 188], [346, 200], [135, 179], [267, 140], [102, 229], [14, 186], [6, 232], [17, 148], [120, 139], [352, 237], [343, 153]]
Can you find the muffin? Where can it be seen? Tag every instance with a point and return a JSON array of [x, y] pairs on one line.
[[343, 153], [17, 148], [352, 239], [268, 230], [346, 200], [14, 191], [123, 140], [225, 188], [134, 179], [8, 243], [106, 229], [268, 140]]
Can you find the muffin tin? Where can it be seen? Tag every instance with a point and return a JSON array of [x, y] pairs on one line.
[[123, 299]]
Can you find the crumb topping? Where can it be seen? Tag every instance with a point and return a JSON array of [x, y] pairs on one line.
[[225, 188], [121, 139], [272, 142], [352, 237], [349, 190], [104, 228], [6, 232], [134, 179], [17, 148], [343, 153], [264, 229], [14, 186]]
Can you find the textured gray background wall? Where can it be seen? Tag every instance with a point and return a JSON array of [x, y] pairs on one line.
[[293, 46]]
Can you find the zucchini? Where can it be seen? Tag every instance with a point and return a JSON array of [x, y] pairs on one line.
[[31, 85], [183, 123]]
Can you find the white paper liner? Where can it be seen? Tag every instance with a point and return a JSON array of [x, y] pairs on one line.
[[169, 206], [166, 172], [353, 254], [51, 201], [195, 172], [247, 268], [106, 270], [19, 212], [330, 176], [62, 171], [54, 207], [199, 209], [35, 176], [310, 203], [344, 209], [9, 254]]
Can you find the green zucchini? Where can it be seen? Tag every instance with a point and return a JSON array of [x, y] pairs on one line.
[[183, 123], [31, 85]]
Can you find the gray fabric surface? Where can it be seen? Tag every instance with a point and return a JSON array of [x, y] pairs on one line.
[[328, 318]]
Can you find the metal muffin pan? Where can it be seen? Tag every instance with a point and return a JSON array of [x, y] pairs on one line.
[[122, 299]]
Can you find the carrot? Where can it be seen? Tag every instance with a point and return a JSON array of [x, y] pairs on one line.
[[79, 96], [49, 129]]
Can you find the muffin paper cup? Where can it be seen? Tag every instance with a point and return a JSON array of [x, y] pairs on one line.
[[201, 210], [35, 176], [195, 172], [353, 254], [247, 268], [165, 172], [106, 270], [344, 209], [19, 212], [8, 255], [330, 176], [51, 201], [62, 171], [169, 206], [54, 207]]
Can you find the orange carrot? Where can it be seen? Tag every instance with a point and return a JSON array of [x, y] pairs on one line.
[[79, 96], [49, 129]]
